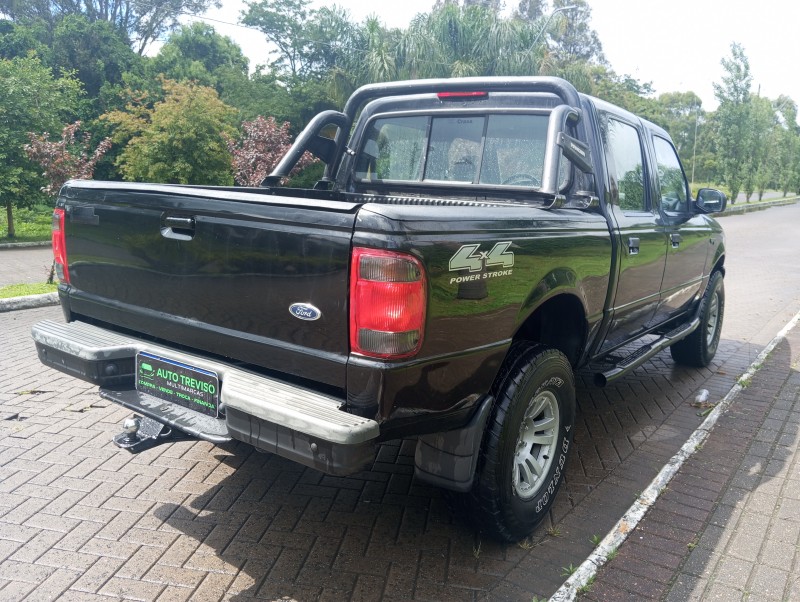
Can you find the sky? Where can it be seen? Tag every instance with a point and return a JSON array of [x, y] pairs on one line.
[[677, 45]]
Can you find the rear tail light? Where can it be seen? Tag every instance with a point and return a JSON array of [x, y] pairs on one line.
[[59, 246], [387, 303]]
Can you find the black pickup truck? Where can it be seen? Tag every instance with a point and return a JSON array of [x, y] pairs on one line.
[[471, 243]]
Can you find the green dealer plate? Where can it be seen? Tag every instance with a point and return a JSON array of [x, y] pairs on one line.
[[179, 383]]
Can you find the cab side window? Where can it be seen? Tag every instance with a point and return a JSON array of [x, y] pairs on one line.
[[674, 195], [626, 165]]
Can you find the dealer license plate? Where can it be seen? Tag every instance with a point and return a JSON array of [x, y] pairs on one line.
[[185, 385]]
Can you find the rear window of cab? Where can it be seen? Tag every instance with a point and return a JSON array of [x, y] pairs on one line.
[[493, 150]]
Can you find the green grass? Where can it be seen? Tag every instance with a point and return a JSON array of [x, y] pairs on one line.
[[32, 224], [22, 290]]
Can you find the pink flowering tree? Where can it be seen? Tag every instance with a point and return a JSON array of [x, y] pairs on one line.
[[65, 159], [257, 151]]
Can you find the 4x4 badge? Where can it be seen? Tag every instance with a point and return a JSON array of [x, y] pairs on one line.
[[468, 257]]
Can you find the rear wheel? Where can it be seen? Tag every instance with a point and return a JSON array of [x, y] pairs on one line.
[[699, 348], [525, 447]]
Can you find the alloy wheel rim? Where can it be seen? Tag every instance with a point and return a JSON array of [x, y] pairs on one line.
[[713, 320], [535, 447]]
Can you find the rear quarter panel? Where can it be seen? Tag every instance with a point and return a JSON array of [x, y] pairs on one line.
[[473, 314]]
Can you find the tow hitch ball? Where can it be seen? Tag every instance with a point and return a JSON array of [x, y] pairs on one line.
[[140, 433]]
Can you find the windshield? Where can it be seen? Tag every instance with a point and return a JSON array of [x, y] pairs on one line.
[[496, 150]]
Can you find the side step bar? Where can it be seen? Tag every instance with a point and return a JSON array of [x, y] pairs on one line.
[[641, 355]]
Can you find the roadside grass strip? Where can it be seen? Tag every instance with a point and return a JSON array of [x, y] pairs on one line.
[[586, 572]]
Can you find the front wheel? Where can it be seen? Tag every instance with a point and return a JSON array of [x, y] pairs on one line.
[[526, 444], [699, 348]]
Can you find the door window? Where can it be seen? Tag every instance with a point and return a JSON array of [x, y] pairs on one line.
[[626, 165], [674, 196]]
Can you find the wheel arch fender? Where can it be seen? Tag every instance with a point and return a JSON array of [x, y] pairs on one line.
[[555, 315]]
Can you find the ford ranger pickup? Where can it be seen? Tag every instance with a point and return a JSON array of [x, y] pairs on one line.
[[472, 243]]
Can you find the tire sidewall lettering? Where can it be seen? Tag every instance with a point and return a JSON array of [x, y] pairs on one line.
[[553, 383]]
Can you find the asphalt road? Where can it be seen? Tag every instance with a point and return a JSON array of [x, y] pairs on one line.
[[27, 265], [82, 520]]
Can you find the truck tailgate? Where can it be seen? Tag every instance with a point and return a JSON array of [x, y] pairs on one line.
[[216, 270]]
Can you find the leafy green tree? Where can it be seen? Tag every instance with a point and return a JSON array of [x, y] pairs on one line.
[[260, 93], [197, 52], [788, 143], [733, 119], [625, 91], [458, 42], [530, 10], [31, 100], [681, 114], [142, 21], [575, 40], [94, 51], [179, 140], [19, 40], [760, 169], [283, 22]]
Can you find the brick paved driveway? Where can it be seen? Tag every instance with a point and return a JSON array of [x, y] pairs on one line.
[[82, 520]]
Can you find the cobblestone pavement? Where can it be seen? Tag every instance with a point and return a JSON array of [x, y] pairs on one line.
[[728, 526], [189, 519], [80, 519]]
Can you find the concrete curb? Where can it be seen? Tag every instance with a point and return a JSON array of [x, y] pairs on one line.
[[619, 533], [25, 245], [750, 207], [28, 302]]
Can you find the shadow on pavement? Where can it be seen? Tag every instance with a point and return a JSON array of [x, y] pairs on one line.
[[380, 535]]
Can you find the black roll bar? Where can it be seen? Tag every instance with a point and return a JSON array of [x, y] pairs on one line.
[[552, 85]]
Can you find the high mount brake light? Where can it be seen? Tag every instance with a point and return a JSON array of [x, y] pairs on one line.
[[388, 301], [457, 95], [59, 245]]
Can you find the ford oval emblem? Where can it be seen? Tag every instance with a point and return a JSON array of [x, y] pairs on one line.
[[304, 311]]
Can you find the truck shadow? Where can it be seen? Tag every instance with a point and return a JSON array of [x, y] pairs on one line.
[[277, 529]]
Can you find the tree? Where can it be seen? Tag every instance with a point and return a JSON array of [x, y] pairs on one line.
[[262, 144], [18, 40], [788, 143], [575, 40], [94, 51], [142, 21], [681, 115], [179, 140], [760, 168], [31, 99], [458, 42], [732, 117], [65, 159], [283, 22], [530, 10], [197, 52]]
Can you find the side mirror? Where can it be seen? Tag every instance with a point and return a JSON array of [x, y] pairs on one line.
[[710, 200]]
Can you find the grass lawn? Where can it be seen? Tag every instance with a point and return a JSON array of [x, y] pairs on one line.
[[32, 224], [22, 290]]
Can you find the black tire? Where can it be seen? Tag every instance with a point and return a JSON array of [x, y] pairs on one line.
[[699, 348], [537, 387]]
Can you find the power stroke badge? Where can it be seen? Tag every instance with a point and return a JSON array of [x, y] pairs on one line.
[[472, 259]]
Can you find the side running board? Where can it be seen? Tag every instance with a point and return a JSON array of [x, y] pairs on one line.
[[641, 355]]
